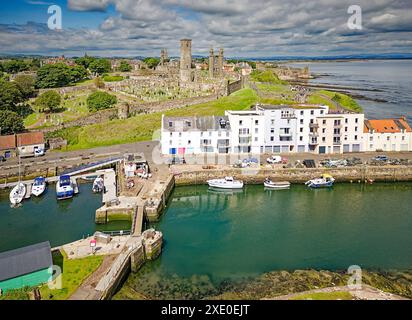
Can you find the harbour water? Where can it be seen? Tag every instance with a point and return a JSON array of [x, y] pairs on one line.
[[46, 218], [214, 236], [387, 80]]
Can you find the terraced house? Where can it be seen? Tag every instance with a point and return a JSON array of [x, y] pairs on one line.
[[283, 129]]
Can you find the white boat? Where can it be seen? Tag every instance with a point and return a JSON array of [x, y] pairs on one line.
[[276, 184], [325, 181], [39, 186], [17, 193], [226, 183], [98, 185], [64, 188]]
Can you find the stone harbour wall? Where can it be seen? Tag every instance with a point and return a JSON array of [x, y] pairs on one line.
[[298, 175]]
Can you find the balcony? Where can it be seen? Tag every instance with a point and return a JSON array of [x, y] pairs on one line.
[[313, 142], [206, 143], [313, 125], [337, 142], [314, 134], [245, 135]]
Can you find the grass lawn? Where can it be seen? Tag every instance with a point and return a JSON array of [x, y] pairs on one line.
[[337, 295], [142, 127], [343, 99], [75, 271]]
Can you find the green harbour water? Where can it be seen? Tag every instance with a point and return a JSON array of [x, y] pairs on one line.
[[46, 218], [215, 236]]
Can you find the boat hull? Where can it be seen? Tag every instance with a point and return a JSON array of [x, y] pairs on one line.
[[17, 194], [276, 186], [321, 185], [222, 185]]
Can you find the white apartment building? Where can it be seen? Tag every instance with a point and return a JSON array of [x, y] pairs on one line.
[[283, 129], [387, 135], [194, 135]]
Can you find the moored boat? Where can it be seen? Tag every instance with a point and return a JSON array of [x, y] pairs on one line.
[[276, 184], [39, 186], [17, 193], [64, 188], [98, 185], [325, 181], [226, 183]]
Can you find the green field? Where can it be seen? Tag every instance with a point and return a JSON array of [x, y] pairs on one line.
[[74, 272], [142, 127]]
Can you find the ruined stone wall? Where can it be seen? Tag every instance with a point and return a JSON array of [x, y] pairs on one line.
[[234, 86], [295, 175]]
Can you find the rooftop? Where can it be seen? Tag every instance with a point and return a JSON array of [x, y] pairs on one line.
[[387, 125], [180, 124], [18, 262], [7, 142]]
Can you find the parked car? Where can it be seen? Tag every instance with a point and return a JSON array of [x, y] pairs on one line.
[[276, 159], [2, 159], [380, 158], [38, 152]]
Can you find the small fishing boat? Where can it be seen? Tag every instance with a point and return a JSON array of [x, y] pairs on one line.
[[39, 186], [17, 193], [226, 183], [64, 188], [276, 184], [325, 181], [98, 185]]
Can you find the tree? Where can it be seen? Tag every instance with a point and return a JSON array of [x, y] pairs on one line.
[[152, 62], [125, 66], [78, 73], [10, 96], [85, 61], [48, 101], [25, 84], [15, 66], [100, 66], [10, 122], [100, 100], [53, 76]]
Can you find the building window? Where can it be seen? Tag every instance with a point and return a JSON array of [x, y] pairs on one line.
[[272, 130], [301, 138], [370, 138], [170, 124], [301, 129], [272, 122], [323, 130], [301, 113], [403, 138], [312, 112], [189, 124], [256, 130], [171, 134], [321, 111], [356, 120], [356, 129], [346, 129], [346, 120], [256, 138], [356, 137], [240, 122], [323, 139], [180, 134], [189, 142], [170, 142], [256, 122], [272, 138], [324, 121], [301, 121], [387, 138]]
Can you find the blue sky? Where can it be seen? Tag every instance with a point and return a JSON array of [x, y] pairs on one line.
[[249, 28]]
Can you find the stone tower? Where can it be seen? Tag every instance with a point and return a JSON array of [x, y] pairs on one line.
[[211, 63], [164, 57], [220, 62], [186, 60]]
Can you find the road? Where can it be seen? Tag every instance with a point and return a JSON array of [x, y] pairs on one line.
[[73, 158]]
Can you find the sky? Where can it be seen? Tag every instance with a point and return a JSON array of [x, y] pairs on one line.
[[244, 28]]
